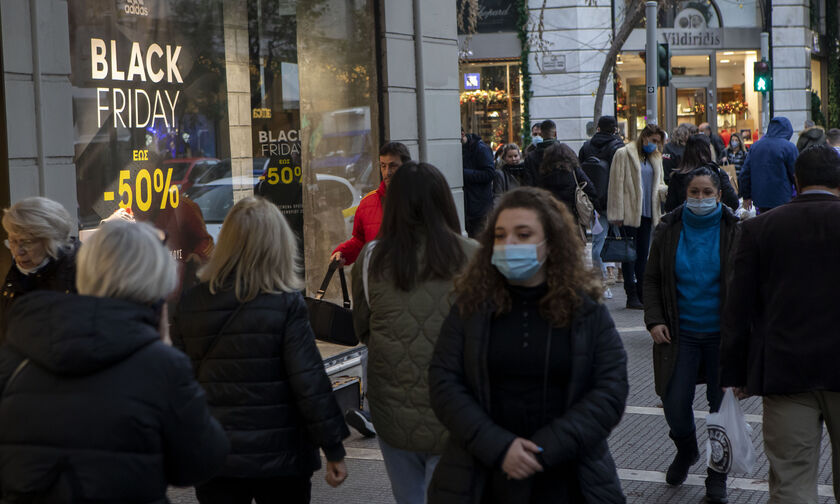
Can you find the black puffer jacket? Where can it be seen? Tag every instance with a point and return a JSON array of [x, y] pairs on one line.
[[265, 381], [460, 394], [57, 275], [103, 411]]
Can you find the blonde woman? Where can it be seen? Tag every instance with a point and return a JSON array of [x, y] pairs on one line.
[[247, 331], [44, 253], [634, 200], [95, 407]]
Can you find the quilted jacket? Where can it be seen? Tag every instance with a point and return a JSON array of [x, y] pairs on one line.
[[365, 224], [264, 378], [400, 329]]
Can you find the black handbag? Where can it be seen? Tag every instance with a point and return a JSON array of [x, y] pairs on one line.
[[618, 248], [330, 322]]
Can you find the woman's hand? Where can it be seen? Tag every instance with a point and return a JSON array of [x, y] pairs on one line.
[[520, 461], [336, 473], [660, 334]]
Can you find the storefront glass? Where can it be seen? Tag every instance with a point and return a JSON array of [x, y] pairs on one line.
[[182, 107], [490, 103], [738, 106]]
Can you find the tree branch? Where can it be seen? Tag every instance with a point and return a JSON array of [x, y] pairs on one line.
[[631, 19]]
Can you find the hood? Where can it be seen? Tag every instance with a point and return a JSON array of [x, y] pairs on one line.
[[472, 141], [779, 127], [816, 133], [601, 140], [77, 335]]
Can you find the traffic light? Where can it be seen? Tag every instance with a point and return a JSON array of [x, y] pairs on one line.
[[663, 60], [762, 76]]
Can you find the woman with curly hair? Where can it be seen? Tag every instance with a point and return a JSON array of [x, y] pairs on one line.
[[529, 374]]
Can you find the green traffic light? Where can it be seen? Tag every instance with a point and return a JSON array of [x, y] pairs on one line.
[[761, 84]]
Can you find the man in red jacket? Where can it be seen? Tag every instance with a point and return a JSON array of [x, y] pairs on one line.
[[368, 217]]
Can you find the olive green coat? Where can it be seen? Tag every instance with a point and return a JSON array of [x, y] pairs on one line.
[[400, 330]]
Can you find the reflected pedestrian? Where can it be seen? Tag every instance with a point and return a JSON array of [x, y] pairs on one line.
[[43, 251], [95, 407], [684, 294], [529, 374], [246, 329], [402, 293]]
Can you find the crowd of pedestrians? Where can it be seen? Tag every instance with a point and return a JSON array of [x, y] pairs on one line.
[[495, 373]]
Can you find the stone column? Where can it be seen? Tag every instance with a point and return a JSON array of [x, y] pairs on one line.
[[39, 141], [791, 61], [581, 35]]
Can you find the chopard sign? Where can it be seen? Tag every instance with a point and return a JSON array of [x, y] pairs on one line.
[[707, 37]]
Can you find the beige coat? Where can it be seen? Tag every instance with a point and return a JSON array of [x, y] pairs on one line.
[[624, 199]]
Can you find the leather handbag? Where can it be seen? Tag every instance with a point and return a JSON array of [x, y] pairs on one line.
[[330, 322], [618, 248]]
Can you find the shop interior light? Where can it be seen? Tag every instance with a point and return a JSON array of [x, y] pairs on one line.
[[728, 53], [724, 61]]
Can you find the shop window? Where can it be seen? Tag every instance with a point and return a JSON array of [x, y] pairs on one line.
[[490, 103], [695, 65], [631, 95], [182, 107], [738, 106]]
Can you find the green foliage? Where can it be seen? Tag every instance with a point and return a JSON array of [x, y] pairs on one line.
[[832, 47], [522, 33]]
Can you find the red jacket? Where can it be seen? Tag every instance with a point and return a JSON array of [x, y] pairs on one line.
[[365, 224]]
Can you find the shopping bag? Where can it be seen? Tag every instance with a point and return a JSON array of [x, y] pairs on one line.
[[617, 248], [733, 178], [729, 448], [330, 322]]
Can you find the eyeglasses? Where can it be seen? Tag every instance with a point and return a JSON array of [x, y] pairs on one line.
[[20, 244]]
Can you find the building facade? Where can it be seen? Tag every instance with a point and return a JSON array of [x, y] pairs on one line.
[[713, 46], [175, 109]]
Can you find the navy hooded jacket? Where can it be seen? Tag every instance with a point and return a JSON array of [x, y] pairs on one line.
[[767, 174], [478, 177]]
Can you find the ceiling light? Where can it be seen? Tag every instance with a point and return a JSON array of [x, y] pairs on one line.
[[728, 53], [724, 61]]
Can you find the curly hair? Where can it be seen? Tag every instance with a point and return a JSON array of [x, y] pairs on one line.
[[566, 274], [558, 156]]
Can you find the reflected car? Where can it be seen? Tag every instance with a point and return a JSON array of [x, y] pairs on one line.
[[186, 171], [215, 197]]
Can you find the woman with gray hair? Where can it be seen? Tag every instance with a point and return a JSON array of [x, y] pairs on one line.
[[44, 252], [95, 407], [246, 329]]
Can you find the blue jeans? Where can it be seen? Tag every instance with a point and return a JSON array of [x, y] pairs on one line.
[[695, 350], [410, 472], [598, 245]]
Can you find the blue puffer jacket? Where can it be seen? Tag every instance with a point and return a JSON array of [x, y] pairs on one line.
[[767, 174]]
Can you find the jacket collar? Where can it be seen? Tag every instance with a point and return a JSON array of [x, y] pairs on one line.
[[804, 198]]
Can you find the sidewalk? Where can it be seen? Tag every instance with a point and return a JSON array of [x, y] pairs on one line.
[[640, 443]]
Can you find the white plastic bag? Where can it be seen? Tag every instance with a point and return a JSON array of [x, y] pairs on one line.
[[729, 448]]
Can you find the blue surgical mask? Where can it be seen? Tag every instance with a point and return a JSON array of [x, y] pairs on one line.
[[649, 148], [517, 262], [734, 143], [536, 139], [703, 206]]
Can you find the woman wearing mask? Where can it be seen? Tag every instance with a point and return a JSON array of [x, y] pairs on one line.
[[635, 194], [697, 154], [403, 293], [529, 374], [560, 173], [684, 293], [246, 329], [736, 152], [95, 406], [511, 172], [43, 251]]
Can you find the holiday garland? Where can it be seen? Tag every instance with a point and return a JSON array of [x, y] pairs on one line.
[[522, 33], [733, 107], [484, 96], [832, 47]]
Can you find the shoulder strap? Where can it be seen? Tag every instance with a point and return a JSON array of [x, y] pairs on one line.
[[366, 268], [216, 338]]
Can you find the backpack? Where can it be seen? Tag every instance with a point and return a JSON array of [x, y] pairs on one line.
[[598, 171]]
